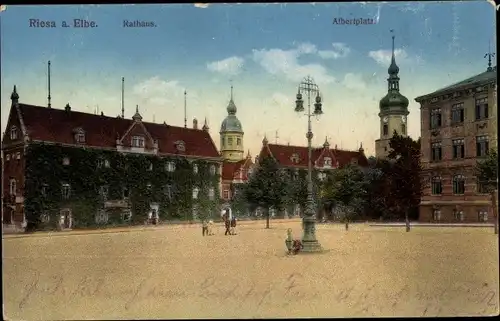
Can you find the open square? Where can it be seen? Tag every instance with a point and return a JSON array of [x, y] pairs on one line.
[[175, 272]]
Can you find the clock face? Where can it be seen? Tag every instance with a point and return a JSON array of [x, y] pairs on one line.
[[386, 119]]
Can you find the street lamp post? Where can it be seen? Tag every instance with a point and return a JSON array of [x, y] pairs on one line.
[[308, 87]]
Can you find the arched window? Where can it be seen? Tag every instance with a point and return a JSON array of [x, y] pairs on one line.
[[403, 129], [458, 184], [13, 133], [12, 186], [436, 185]]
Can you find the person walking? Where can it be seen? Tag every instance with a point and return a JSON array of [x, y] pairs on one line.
[[227, 223], [233, 226], [204, 227]]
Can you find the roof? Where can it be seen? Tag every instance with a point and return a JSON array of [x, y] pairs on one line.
[[58, 126], [230, 169], [284, 155], [482, 78]]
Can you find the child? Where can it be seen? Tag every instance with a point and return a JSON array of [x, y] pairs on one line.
[[233, 226], [210, 227]]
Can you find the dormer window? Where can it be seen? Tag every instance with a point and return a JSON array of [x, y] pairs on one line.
[[79, 135], [65, 161], [328, 162], [138, 141], [295, 158], [13, 133], [354, 161], [180, 146]]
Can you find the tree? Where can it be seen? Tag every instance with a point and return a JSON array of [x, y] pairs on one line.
[[266, 188], [487, 176], [345, 190], [406, 182]]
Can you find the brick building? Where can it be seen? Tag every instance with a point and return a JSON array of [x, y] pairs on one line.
[[120, 139], [324, 159], [459, 126]]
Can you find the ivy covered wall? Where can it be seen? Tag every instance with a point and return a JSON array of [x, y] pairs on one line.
[[145, 179]]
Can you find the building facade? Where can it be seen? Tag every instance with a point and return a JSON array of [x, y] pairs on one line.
[[459, 126], [68, 169], [393, 111], [294, 159]]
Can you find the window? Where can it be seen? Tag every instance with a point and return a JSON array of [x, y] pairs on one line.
[[149, 187], [436, 153], [137, 141], [107, 164], [13, 133], [103, 191], [211, 193], [436, 185], [125, 192], [457, 113], [181, 147], [482, 187], [168, 191], [126, 215], [12, 186], [458, 148], [458, 215], [328, 162], [44, 190], [7, 157], [458, 184], [386, 130], [295, 158], [149, 166], [238, 141], [45, 218], [212, 169], [100, 163], [482, 146], [403, 129], [230, 140], [101, 217], [170, 166], [80, 137], [226, 195], [435, 118], [65, 161], [483, 216], [196, 190], [195, 168], [18, 155], [66, 191], [354, 161], [321, 176], [436, 215], [481, 108]]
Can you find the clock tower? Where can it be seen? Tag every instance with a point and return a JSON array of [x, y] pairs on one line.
[[393, 111]]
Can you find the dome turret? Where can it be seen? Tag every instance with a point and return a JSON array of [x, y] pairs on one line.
[[231, 123]]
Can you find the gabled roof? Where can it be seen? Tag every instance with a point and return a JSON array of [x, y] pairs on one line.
[[230, 169], [477, 80], [58, 125], [285, 155]]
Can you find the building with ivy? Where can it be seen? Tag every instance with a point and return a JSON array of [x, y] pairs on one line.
[[294, 161], [64, 168]]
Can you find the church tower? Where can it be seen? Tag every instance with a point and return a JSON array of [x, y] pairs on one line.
[[393, 111], [231, 135]]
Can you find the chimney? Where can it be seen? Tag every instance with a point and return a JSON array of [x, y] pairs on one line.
[[195, 123], [68, 107]]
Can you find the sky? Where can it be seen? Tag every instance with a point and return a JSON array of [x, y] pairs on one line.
[[263, 50]]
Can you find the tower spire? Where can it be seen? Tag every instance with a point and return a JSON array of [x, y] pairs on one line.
[[231, 89], [489, 55], [123, 99], [185, 109], [48, 75]]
